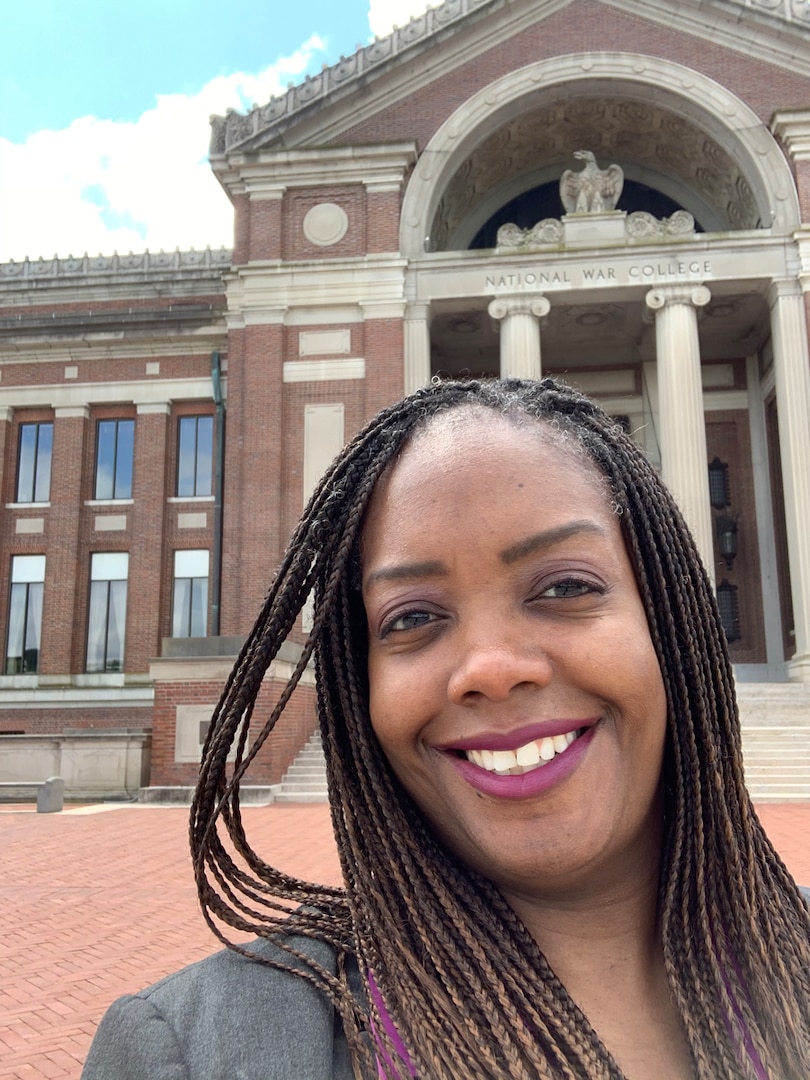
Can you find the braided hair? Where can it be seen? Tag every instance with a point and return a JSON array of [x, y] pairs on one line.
[[458, 973]]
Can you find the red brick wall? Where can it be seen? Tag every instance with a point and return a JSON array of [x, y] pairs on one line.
[[297, 723], [252, 538]]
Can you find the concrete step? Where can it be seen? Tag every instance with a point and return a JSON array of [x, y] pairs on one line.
[[305, 780]]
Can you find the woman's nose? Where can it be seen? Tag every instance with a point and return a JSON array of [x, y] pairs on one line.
[[492, 667]]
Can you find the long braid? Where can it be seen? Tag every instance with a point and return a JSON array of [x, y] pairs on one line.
[[459, 975]]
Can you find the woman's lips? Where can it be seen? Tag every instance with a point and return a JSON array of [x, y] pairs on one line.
[[505, 775]]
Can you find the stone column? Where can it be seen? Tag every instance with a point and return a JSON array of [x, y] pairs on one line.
[[682, 435], [417, 347], [792, 376], [519, 317]]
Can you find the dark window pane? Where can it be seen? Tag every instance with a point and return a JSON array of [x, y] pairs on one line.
[[199, 607], [123, 460], [105, 459], [116, 626], [97, 626], [187, 456], [27, 463], [205, 440], [16, 629], [42, 485], [181, 607]]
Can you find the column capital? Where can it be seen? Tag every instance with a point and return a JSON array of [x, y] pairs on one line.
[[695, 295], [519, 305]]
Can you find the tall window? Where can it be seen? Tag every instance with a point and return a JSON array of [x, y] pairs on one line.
[[34, 463], [194, 455], [190, 595], [25, 614], [114, 446], [108, 611]]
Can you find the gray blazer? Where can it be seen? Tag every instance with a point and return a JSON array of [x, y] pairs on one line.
[[225, 1018], [228, 1018]]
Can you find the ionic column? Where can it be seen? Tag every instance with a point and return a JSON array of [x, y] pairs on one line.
[[682, 434], [417, 347], [792, 377], [519, 317]]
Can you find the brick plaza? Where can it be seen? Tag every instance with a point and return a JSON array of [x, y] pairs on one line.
[[99, 901]]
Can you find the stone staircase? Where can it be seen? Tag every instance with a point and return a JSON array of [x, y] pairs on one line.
[[305, 780], [775, 721], [776, 745]]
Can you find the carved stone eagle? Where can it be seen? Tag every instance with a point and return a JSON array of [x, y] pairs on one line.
[[592, 190]]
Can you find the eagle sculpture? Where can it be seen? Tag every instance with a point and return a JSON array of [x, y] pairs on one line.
[[592, 190]]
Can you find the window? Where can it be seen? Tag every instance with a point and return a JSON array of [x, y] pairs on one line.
[[190, 595], [25, 614], [114, 446], [194, 455], [34, 463], [108, 611]]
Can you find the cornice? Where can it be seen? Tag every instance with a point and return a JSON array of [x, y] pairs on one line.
[[146, 265], [268, 173], [776, 31]]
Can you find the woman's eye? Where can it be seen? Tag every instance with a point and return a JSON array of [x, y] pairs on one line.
[[569, 589], [407, 620]]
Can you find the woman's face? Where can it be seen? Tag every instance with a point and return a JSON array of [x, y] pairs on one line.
[[513, 684]]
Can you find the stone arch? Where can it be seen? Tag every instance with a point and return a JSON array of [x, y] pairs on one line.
[[731, 130]]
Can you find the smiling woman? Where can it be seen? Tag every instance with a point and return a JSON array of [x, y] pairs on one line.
[[552, 867]]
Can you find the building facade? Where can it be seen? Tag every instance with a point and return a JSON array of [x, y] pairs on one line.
[[416, 210]]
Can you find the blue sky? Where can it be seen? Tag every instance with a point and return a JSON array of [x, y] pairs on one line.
[[104, 109]]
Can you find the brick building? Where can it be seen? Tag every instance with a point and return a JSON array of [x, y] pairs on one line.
[[399, 215]]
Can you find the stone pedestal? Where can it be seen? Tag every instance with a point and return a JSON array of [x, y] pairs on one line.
[[606, 227], [520, 334], [684, 457]]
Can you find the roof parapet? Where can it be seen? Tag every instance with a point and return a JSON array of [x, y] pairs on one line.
[[145, 262]]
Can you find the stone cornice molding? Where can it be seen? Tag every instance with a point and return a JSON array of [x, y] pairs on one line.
[[792, 128], [81, 395], [765, 28], [705, 102], [268, 174]]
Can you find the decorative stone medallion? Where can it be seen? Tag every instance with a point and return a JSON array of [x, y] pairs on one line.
[[325, 224]]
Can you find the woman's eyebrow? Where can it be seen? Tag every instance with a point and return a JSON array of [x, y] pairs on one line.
[[548, 538], [405, 572]]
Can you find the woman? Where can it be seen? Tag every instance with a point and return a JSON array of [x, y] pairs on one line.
[[552, 867]]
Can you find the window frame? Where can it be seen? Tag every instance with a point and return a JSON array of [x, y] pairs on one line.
[[40, 474], [187, 617], [114, 603], [27, 573], [115, 480], [194, 480]]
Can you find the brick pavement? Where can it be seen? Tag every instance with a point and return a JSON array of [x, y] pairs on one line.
[[96, 903]]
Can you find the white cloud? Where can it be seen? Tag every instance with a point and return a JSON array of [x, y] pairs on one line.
[[100, 185], [384, 15]]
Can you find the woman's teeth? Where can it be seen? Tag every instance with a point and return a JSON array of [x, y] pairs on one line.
[[526, 758]]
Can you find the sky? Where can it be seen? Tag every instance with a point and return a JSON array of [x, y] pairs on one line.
[[104, 108]]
